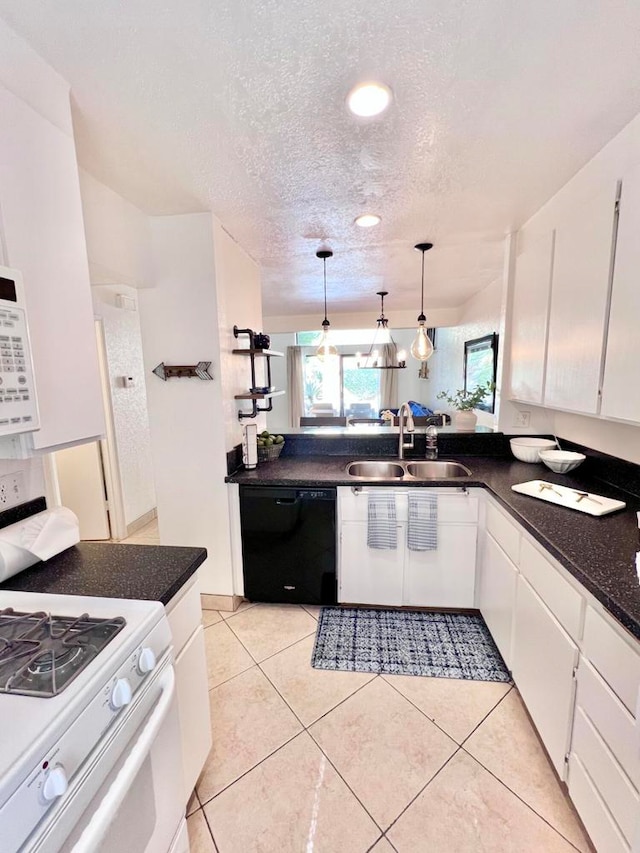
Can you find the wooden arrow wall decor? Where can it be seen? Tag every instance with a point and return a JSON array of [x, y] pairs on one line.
[[182, 371]]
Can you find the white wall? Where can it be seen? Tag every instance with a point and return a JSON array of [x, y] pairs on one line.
[[29, 77], [123, 343], [179, 320], [278, 418], [118, 236], [239, 301]]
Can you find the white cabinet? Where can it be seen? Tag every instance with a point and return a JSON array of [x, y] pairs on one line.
[[620, 390], [530, 316], [543, 661], [192, 687], [44, 238], [579, 303], [444, 577], [368, 575], [497, 595]]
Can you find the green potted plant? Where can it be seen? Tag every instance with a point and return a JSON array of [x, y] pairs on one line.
[[464, 402]]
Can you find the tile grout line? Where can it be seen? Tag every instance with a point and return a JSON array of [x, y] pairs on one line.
[[486, 716], [515, 794], [347, 785], [206, 820], [257, 764], [307, 730], [421, 791], [258, 662]]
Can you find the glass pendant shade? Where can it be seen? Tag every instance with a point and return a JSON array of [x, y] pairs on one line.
[[421, 348], [325, 348]]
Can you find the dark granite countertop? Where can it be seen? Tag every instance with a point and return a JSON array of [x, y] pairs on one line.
[[109, 570], [598, 552]]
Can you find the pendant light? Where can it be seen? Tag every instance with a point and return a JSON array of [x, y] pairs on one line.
[[325, 349], [382, 336], [422, 348]]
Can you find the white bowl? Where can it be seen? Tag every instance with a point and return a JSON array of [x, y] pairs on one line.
[[561, 461], [527, 449]]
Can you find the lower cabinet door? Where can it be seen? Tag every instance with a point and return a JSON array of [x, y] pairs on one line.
[[444, 577], [193, 708], [369, 575], [544, 658], [497, 594]]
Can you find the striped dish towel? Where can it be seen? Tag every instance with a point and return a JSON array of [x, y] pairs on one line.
[[381, 521], [422, 532]]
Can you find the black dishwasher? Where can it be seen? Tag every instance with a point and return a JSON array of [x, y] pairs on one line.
[[289, 544]]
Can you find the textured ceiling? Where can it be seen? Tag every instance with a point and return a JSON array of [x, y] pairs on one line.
[[238, 107]]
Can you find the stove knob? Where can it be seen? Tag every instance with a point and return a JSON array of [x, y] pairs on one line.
[[121, 694], [146, 660], [55, 784]]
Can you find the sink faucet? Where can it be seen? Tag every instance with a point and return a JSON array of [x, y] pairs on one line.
[[410, 428], [432, 443]]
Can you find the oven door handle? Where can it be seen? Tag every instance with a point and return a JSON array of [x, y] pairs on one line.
[[99, 824]]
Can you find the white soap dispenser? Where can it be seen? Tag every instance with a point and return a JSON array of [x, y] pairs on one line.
[[250, 446]]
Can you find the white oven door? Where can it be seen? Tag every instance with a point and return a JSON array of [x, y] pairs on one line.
[[138, 807]]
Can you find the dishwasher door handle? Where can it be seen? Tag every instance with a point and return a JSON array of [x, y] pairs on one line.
[[286, 501]]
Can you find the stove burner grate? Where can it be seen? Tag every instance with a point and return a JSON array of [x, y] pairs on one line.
[[41, 654]]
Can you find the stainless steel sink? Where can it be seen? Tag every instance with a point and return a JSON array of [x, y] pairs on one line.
[[379, 469], [376, 470], [429, 470]]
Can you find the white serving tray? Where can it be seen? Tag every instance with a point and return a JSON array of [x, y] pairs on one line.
[[562, 496]]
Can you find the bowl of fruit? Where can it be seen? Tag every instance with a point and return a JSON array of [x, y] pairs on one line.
[[269, 446]]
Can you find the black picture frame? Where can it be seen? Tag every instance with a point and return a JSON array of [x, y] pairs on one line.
[[480, 366]]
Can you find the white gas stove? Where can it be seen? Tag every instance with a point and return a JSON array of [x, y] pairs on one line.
[[86, 701]]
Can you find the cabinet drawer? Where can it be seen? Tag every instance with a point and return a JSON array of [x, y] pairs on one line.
[[561, 598], [614, 658], [506, 534], [614, 723], [453, 507], [619, 795], [602, 829], [185, 616]]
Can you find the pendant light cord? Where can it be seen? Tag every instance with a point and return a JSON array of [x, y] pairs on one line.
[[422, 247], [324, 269]]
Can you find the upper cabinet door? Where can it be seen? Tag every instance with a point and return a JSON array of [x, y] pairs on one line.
[[620, 389], [530, 317], [579, 304], [44, 238]]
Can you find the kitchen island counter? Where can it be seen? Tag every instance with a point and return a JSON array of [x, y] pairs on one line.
[[598, 552], [110, 570]]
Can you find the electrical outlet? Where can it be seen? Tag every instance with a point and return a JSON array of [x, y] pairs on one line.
[[11, 490], [522, 419]]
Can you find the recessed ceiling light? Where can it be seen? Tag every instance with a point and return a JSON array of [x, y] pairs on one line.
[[369, 99], [368, 220]]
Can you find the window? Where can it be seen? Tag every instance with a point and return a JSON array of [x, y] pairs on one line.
[[338, 387], [480, 364]]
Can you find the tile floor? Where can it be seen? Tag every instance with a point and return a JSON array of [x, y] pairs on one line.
[[308, 760], [147, 535]]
